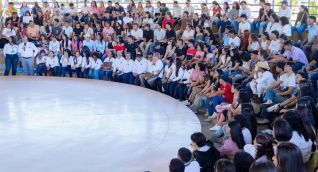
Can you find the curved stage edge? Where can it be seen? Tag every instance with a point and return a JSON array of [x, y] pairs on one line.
[[65, 124]]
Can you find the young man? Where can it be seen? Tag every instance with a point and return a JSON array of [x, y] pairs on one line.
[[234, 41], [275, 44], [243, 25], [296, 55], [245, 10], [128, 68], [33, 32], [285, 11], [223, 23], [311, 46], [176, 165], [185, 156], [154, 74], [140, 68], [148, 36]]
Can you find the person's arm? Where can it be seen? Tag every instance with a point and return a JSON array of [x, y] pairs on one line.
[[289, 91], [235, 67]]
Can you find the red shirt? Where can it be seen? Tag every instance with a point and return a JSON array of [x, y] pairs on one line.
[[119, 47], [191, 51], [216, 11], [228, 95], [165, 21]]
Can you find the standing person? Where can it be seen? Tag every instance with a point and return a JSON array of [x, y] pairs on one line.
[[10, 52], [27, 51]]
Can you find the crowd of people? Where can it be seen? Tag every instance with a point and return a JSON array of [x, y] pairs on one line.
[[244, 72]]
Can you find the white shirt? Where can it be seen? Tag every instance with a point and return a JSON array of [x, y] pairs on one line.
[[128, 66], [273, 26], [155, 68], [68, 30], [54, 46], [8, 32], [159, 34], [86, 62], [177, 12], [247, 12], [186, 76], [303, 145], [138, 34], [119, 65], [10, 49], [190, 9], [285, 12], [141, 66], [286, 30], [41, 60], [234, 42], [244, 26], [65, 61], [149, 9], [266, 78], [96, 65], [127, 20], [188, 34], [192, 166], [27, 50], [247, 136], [180, 74], [52, 62], [288, 81], [169, 69], [76, 61], [254, 46], [274, 46]]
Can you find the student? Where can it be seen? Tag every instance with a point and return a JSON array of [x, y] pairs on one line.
[[204, 152], [242, 161], [65, 64], [108, 66], [288, 158], [178, 73], [85, 65], [140, 68], [224, 165], [176, 165], [118, 69], [275, 44], [234, 41], [76, 63], [243, 25], [296, 55], [128, 68], [185, 156], [52, 64], [95, 66], [264, 148], [41, 63], [266, 166], [10, 52]]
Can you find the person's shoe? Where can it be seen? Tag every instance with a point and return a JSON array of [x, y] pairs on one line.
[[209, 119], [214, 128], [214, 115], [186, 102], [263, 121], [268, 102], [273, 108]]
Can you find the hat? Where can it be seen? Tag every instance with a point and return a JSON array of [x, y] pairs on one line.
[[281, 64], [263, 65], [285, 2]]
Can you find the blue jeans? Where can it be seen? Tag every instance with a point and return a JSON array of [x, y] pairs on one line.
[[313, 77], [235, 25], [258, 27], [27, 64], [41, 69], [216, 100], [172, 88], [94, 74], [181, 92], [11, 61], [55, 70], [128, 78], [217, 22], [271, 94], [300, 29], [298, 66], [66, 69], [108, 75], [84, 74]]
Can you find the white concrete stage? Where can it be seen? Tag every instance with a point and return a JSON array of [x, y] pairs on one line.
[[52, 124]]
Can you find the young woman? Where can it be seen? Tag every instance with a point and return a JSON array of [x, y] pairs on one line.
[[177, 76], [23, 9], [196, 20], [288, 158], [10, 51], [234, 142], [100, 45], [286, 28], [273, 24], [170, 50], [168, 74], [301, 22], [66, 63], [198, 36], [66, 44], [216, 11], [76, 63], [147, 19], [46, 29], [234, 16], [253, 43], [85, 65], [77, 44], [264, 148], [95, 67], [41, 63], [265, 41], [52, 64]]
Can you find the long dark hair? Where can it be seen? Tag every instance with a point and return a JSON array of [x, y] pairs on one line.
[[236, 134], [65, 42], [178, 65], [296, 122], [307, 107], [264, 146], [289, 158]]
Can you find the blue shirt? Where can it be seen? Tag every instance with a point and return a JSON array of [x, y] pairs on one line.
[[312, 31], [223, 24], [100, 46], [90, 44], [23, 10], [226, 39]]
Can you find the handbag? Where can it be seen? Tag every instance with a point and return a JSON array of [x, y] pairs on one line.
[[152, 80]]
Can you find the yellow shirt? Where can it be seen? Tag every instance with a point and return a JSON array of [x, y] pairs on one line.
[[10, 10]]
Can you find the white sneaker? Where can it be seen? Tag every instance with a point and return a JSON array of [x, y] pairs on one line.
[[263, 121], [215, 128], [209, 119], [273, 108], [268, 102], [214, 115], [186, 103]]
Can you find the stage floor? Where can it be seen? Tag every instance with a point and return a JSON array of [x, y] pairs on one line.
[[50, 124]]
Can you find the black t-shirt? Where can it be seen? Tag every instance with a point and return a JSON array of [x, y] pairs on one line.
[[98, 31], [109, 19], [171, 34], [131, 48], [181, 51], [78, 31], [148, 34], [160, 50], [118, 31]]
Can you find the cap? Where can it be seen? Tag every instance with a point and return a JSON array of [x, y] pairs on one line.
[[263, 65]]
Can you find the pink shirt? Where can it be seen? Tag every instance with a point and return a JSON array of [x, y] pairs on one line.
[[199, 53], [94, 10], [75, 46], [196, 75], [229, 148], [108, 31]]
